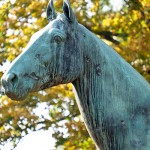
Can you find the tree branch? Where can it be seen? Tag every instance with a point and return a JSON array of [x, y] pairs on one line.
[[107, 35]]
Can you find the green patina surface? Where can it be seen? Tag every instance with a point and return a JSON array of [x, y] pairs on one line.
[[113, 98]]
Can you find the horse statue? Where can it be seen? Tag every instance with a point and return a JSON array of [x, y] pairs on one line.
[[113, 98]]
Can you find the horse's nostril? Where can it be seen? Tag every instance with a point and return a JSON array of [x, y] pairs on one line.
[[12, 78]]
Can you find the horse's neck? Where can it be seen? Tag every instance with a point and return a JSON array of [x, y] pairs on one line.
[[104, 70], [107, 80]]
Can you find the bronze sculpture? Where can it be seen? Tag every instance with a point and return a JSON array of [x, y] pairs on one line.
[[113, 97]]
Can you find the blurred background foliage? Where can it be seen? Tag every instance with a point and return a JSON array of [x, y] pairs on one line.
[[126, 28]]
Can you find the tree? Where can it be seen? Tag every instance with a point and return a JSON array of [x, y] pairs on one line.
[[127, 30]]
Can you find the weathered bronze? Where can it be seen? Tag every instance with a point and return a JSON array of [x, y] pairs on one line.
[[114, 99]]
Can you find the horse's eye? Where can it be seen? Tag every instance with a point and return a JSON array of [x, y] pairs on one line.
[[58, 39]]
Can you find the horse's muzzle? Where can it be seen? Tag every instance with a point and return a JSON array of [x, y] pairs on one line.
[[9, 83]]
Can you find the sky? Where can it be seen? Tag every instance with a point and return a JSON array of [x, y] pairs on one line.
[[117, 4], [42, 140], [39, 140]]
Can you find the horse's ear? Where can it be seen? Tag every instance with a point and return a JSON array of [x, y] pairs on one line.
[[68, 12], [50, 12]]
